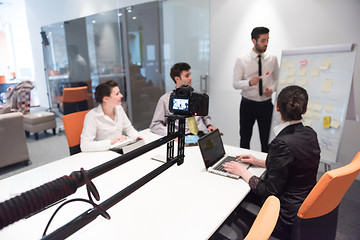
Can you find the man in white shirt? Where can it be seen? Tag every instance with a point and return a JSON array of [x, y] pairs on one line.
[[256, 74], [181, 75]]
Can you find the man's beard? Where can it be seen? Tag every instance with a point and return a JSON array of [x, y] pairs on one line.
[[258, 49]]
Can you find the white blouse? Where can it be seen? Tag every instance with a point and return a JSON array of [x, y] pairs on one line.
[[99, 129]]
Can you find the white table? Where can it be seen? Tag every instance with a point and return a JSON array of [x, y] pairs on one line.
[[184, 202]]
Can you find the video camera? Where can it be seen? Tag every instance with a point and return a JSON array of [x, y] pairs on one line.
[[184, 101]]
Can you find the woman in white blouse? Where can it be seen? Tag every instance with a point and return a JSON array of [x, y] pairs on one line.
[[105, 124]]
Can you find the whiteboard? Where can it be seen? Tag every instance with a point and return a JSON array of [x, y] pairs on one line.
[[326, 72]]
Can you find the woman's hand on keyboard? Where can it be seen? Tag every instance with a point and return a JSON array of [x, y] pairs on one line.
[[236, 168], [248, 158], [119, 138]]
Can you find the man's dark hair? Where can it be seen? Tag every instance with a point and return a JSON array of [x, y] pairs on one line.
[[256, 32], [104, 90], [177, 69], [292, 102]]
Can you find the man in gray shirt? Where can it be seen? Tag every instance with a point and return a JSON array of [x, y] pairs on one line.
[[181, 75]]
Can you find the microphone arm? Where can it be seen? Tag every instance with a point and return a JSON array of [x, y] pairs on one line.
[[35, 200], [91, 214]]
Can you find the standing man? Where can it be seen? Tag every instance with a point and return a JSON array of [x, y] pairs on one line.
[[181, 75], [256, 74]]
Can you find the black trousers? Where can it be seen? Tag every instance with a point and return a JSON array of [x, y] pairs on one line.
[[251, 111]]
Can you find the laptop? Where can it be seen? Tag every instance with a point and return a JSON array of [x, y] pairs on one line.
[[213, 153]]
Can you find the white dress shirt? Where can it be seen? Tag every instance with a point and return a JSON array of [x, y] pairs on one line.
[[159, 122], [281, 126], [99, 129], [247, 67]]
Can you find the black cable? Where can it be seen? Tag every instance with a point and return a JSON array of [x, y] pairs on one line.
[[99, 208]]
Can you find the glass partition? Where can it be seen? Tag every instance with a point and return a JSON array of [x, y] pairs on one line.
[[126, 45]]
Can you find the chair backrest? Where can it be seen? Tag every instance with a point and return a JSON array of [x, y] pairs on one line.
[[73, 125], [317, 216], [75, 99], [75, 94], [265, 221], [2, 79]]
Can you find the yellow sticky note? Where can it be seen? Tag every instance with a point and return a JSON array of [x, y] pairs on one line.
[[290, 80], [315, 72], [282, 81], [307, 122], [316, 115], [329, 108], [327, 85], [302, 72], [291, 72], [326, 63], [317, 106], [327, 120], [302, 81]]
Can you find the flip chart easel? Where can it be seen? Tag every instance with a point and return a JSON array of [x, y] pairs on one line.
[[326, 72]]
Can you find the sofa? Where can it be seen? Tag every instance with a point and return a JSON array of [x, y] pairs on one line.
[[13, 147]]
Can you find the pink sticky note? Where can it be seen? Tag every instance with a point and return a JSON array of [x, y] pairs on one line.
[[303, 62]]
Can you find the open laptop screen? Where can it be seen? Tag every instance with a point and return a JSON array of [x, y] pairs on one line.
[[211, 147]]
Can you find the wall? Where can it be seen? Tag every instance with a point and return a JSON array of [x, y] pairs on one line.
[[292, 24]]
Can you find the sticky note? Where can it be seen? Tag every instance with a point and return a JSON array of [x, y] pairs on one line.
[[317, 106], [303, 62], [282, 81], [302, 72], [334, 123], [290, 80], [326, 63], [326, 123], [316, 115], [302, 82], [291, 72], [329, 108], [307, 122], [315, 72], [327, 85]]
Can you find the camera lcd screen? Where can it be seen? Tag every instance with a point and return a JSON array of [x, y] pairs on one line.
[[180, 104]]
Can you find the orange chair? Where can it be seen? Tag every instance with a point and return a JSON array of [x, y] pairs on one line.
[[73, 125], [265, 221], [2, 79], [318, 214], [74, 100]]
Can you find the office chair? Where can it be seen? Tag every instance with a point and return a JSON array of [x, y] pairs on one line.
[[74, 100], [265, 221], [73, 125], [318, 214]]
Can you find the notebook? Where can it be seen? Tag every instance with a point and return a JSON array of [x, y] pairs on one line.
[[214, 156]]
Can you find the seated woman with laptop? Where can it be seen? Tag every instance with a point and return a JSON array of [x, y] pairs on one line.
[[105, 124], [291, 164]]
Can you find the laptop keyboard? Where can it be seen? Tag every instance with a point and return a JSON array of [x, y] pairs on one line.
[[220, 167]]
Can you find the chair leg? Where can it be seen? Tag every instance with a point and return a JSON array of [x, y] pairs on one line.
[[36, 136], [54, 131]]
